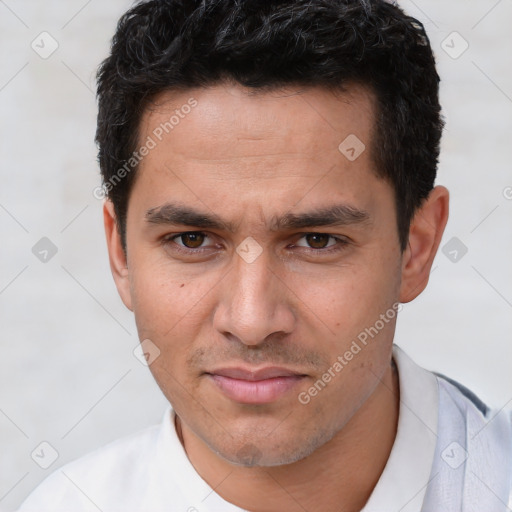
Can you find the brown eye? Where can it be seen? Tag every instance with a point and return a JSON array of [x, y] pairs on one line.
[[317, 240], [192, 240]]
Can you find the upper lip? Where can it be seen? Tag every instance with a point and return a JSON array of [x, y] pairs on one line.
[[270, 372]]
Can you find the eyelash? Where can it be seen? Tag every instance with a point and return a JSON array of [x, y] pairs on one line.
[[339, 246]]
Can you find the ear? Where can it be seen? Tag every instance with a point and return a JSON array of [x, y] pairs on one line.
[[117, 256], [425, 235]]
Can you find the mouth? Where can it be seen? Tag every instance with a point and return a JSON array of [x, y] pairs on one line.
[[261, 386]]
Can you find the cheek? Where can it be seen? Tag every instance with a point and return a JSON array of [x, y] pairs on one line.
[[168, 303], [348, 298], [171, 310], [358, 303]]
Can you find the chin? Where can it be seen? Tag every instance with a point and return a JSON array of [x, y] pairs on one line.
[[265, 452]]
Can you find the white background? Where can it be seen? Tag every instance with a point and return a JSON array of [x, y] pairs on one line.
[[68, 374]]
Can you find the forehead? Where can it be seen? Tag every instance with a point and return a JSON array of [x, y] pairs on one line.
[[246, 154], [230, 121]]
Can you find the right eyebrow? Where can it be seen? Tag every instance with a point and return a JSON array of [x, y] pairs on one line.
[[171, 213]]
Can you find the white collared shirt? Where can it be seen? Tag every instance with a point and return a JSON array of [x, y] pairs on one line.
[[450, 454]]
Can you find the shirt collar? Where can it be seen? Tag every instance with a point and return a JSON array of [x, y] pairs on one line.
[[403, 483]]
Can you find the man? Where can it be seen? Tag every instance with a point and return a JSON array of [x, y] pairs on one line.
[[270, 171]]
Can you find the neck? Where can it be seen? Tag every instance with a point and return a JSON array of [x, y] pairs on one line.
[[338, 476]]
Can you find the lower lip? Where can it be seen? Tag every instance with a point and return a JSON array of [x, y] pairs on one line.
[[256, 392]]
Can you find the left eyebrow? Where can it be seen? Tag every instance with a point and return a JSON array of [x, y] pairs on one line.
[[337, 215]]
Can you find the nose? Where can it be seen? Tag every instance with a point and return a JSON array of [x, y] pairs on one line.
[[255, 303]]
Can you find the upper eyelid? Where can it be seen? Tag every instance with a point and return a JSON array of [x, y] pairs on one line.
[[301, 235]]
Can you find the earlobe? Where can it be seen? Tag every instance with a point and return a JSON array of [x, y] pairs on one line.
[[425, 235], [116, 253]]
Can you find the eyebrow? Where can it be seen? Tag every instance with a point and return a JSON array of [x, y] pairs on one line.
[[171, 213], [336, 215]]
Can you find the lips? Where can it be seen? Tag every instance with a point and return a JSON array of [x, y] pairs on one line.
[[259, 386]]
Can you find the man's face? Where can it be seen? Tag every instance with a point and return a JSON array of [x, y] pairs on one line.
[[256, 305]]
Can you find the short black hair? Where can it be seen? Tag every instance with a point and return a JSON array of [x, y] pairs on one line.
[[162, 45]]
